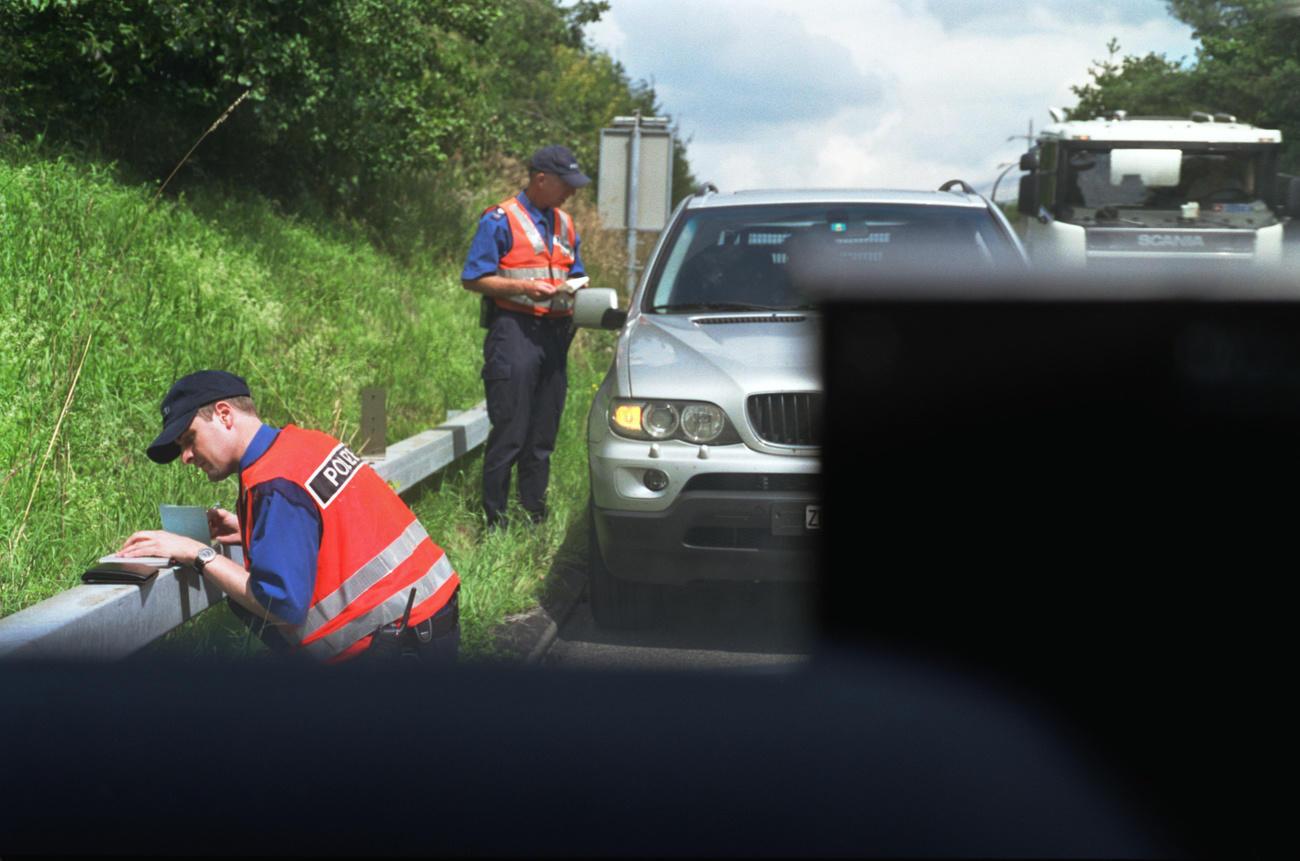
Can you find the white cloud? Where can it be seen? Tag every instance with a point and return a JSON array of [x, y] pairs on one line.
[[890, 93]]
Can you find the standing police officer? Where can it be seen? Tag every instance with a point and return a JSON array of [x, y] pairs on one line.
[[524, 251], [335, 561]]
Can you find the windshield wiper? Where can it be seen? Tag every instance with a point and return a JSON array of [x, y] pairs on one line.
[[1110, 213]]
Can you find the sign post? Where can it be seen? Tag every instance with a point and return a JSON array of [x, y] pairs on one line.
[[636, 179]]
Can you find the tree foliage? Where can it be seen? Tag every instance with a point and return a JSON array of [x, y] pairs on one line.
[[1247, 64], [336, 89], [1142, 86], [343, 100], [597, 86]]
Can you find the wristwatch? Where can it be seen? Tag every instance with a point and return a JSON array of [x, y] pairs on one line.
[[206, 555]]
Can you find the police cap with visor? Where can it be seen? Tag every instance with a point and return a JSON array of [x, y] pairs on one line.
[[560, 161], [186, 397]]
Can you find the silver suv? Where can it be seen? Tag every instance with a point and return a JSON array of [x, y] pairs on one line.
[[704, 438]]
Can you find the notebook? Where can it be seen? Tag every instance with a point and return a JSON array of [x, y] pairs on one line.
[[188, 520]]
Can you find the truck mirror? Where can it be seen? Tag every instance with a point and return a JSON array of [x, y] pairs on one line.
[[1028, 202], [1029, 161], [597, 308]]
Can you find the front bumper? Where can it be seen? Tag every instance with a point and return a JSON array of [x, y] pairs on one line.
[[726, 512], [713, 535]]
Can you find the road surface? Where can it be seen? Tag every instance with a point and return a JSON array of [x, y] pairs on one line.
[[748, 627]]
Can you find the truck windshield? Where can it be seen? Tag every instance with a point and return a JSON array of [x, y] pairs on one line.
[[1150, 186]]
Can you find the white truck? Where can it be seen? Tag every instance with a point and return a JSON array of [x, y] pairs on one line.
[[1185, 192]]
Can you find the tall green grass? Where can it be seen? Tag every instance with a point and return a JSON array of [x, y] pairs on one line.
[[107, 296]]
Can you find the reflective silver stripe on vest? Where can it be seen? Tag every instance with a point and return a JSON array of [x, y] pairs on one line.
[[530, 227], [389, 610], [529, 274], [366, 576], [564, 229]]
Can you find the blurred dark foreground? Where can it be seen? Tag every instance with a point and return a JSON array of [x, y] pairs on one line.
[[852, 757], [1050, 624], [1084, 487]]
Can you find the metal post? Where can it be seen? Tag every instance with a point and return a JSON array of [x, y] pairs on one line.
[[374, 422], [634, 172]]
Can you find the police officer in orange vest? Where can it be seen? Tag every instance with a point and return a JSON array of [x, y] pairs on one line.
[[525, 250], [336, 565]]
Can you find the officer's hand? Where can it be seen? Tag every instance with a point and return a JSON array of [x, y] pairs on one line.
[[223, 526], [538, 290], [160, 543]]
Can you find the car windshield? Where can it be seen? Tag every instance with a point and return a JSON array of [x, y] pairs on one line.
[[1135, 184], [778, 257]]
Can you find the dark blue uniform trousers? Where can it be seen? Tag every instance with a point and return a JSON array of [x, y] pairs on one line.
[[525, 361]]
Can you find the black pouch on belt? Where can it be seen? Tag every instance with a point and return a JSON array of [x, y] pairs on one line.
[[441, 623], [487, 311]]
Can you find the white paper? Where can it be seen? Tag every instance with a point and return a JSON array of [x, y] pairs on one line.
[[155, 561]]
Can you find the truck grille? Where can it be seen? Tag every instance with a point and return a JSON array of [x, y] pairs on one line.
[[789, 418]]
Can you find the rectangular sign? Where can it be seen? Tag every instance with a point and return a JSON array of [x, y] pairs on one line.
[[654, 182]]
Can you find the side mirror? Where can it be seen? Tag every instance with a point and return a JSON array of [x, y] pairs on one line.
[[597, 308], [1028, 202], [1029, 161]]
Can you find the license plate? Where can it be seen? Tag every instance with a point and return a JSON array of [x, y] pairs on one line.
[[795, 518]]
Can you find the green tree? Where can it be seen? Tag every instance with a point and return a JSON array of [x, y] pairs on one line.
[[1142, 86], [596, 89], [371, 109], [337, 89], [1247, 64]]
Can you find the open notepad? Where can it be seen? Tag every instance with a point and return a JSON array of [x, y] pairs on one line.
[[188, 520]]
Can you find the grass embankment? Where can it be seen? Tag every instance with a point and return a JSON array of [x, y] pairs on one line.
[[106, 297]]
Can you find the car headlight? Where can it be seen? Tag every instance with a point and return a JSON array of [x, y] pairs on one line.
[[659, 420], [692, 421], [702, 422]]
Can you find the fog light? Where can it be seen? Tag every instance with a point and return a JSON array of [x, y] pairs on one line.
[[655, 480]]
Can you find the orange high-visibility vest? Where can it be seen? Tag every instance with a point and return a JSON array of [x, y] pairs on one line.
[[530, 259], [373, 550]]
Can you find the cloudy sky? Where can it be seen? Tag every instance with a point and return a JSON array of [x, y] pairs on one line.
[[883, 93]]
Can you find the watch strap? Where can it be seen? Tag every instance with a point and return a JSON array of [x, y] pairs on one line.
[[206, 555]]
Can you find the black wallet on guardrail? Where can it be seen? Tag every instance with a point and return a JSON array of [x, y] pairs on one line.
[[119, 572]]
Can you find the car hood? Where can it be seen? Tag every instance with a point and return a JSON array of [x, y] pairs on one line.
[[723, 358]]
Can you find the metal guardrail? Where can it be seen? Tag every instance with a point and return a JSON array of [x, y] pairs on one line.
[[109, 622]]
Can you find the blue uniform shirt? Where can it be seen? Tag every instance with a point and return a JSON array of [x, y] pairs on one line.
[[283, 541], [494, 240]]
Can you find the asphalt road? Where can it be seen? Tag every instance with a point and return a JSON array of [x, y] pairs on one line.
[[748, 627]]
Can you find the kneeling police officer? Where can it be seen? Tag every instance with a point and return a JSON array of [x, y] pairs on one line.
[[336, 565]]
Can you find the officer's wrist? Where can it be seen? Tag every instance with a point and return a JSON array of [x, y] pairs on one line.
[[202, 557]]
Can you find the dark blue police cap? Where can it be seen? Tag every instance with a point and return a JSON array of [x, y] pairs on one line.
[[185, 398], [560, 161]]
